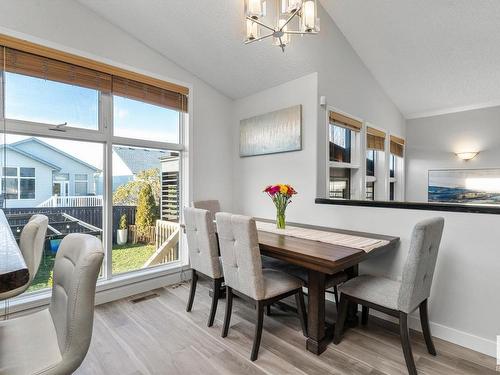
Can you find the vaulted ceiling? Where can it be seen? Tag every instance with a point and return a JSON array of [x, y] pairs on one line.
[[428, 55]]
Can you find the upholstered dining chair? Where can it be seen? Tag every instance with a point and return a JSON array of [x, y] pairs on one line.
[[203, 255], [400, 298], [31, 244], [213, 206], [55, 341], [245, 277]]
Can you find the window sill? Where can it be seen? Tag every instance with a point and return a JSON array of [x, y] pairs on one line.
[[120, 286], [337, 164]]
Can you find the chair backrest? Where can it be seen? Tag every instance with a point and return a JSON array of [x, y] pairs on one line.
[[210, 205], [420, 263], [32, 242], [241, 261], [76, 268], [202, 242]]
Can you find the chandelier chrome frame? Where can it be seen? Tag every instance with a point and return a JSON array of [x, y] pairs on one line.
[[303, 10]]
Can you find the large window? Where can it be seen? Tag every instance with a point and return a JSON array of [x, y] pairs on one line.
[[98, 152]]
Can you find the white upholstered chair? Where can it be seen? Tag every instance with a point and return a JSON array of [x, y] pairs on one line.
[[203, 254], [31, 243], [55, 341], [244, 276], [400, 298], [213, 206]]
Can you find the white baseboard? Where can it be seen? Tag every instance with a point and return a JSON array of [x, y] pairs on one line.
[[455, 336]]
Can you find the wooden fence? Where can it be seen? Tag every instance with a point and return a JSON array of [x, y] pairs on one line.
[[90, 215]]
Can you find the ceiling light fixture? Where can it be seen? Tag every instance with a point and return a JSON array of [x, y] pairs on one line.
[[290, 17], [466, 155]]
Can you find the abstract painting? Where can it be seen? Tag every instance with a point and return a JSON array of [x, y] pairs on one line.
[[271, 133], [478, 186]]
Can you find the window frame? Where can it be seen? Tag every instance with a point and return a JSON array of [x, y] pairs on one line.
[[104, 135], [79, 181]]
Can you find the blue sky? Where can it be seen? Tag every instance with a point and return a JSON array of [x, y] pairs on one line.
[[34, 99]]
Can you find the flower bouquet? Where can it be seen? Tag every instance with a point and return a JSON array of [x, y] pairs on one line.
[[281, 196]]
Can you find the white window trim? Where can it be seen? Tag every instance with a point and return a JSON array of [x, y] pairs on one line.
[[104, 136]]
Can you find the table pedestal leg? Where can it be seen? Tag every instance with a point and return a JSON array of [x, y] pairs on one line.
[[317, 339]]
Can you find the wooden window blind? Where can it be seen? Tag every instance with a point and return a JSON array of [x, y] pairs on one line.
[[345, 121], [375, 139], [35, 60], [150, 94], [397, 146], [28, 64]]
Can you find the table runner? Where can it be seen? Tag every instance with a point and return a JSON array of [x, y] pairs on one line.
[[362, 243]]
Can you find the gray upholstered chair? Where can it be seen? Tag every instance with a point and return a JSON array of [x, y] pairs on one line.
[[31, 243], [203, 254], [245, 277], [213, 206], [55, 341], [400, 298]]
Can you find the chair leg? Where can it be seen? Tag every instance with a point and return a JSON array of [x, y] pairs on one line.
[[215, 300], [364, 315], [405, 343], [229, 308], [192, 292], [341, 317], [336, 296], [268, 310], [301, 311], [424, 321], [258, 330]]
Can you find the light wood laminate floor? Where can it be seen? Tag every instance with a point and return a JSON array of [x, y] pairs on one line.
[[158, 336]]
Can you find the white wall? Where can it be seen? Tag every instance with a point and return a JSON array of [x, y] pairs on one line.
[[67, 25], [464, 305], [433, 142]]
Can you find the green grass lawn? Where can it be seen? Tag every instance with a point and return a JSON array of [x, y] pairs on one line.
[[125, 258], [130, 257]]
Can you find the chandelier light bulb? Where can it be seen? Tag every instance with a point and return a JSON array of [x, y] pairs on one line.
[[309, 16], [252, 30], [255, 9]]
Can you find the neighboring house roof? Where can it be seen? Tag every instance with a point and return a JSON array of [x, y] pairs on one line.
[[139, 159], [55, 149], [28, 155]]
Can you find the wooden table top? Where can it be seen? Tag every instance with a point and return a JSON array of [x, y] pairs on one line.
[[13, 270], [319, 256]]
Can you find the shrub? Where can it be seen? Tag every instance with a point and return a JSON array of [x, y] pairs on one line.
[[146, 211], [123, 222]]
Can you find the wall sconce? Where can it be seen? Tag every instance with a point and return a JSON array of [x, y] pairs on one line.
[[466, 155]]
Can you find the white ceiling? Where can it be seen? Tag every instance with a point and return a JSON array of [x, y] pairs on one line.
[[205, 37], [430, 56]]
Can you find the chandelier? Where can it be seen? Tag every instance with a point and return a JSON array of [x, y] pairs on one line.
[[289, 17]]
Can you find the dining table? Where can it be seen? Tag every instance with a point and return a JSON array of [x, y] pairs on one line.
[[322, 251], [13, 270]]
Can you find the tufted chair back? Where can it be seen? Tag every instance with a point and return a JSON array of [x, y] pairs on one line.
[[202, 242], [420, 263], [239, 246], [32, 242], [213, 206], [76, 268]]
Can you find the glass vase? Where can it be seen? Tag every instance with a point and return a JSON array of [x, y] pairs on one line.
[[280, 219]]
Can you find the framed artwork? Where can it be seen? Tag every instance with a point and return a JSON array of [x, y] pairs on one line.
[[478, 186], [271, 133]]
